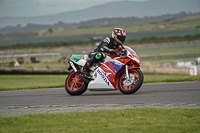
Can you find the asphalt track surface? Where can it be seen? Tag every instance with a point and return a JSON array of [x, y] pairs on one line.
[[178, 94]]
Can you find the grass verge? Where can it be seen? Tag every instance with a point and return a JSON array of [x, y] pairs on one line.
[[140, 120], [169, 78], [19, 82]]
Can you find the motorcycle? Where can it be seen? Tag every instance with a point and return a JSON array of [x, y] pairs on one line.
[[120, 71]]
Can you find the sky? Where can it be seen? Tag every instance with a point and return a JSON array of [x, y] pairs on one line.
[[22, 8]]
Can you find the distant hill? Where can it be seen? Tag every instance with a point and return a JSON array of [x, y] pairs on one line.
[[181, 26], [92, 23], [110, 10]]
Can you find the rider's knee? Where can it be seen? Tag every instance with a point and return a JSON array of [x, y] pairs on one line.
[[99, 56]]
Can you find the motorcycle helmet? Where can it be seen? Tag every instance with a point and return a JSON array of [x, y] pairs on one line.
[[119, 34]]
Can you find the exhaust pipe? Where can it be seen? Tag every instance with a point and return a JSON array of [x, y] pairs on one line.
[[85, 80], [73, 67]]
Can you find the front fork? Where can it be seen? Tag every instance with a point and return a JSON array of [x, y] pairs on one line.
[[129, 79], [127, 75]]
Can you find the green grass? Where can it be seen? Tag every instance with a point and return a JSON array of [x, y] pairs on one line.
[[168, 50], [19, 82], [166, 59], [173, 25], [138, 120], [162, 60]]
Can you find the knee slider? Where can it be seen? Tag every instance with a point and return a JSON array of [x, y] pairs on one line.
[[98, 56]]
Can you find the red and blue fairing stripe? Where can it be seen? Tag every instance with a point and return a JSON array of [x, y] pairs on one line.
[[110, 69], [115, 65]]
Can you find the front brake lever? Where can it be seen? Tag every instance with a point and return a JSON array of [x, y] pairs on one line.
[[123, 52]]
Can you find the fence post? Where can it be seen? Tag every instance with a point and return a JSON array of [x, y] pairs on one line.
[[193, 70]]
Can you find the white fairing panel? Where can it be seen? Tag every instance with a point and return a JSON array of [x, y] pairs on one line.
[[100, 81], [81, 62]]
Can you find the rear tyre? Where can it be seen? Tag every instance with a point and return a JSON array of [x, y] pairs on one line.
[[74, 85], [133, 84]]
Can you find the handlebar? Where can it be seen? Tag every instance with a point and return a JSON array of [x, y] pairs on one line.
[[120, 43], [122, 52]]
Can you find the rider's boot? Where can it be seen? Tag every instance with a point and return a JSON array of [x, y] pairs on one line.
[[86, 69], [96, 58]]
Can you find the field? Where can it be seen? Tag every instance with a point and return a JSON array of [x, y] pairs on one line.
[[139, 120], [150, 58], [171, 25], [180, 27], [141, 35], [169, 51]]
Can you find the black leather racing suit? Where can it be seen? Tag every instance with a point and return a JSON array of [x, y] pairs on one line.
[[95, 56]]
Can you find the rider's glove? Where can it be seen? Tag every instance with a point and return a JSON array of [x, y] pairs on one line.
[[113, 51], [123, 52]]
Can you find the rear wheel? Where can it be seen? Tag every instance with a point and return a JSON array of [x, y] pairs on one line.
[[133, 84], [74, 85]]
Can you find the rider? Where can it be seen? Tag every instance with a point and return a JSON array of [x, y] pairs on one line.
[[108, 45]]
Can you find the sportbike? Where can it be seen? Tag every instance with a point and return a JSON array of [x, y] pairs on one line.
[[120, 71]]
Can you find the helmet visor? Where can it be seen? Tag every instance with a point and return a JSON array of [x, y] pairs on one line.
[[122, 38]]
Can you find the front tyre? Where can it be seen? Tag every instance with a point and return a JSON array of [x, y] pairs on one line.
[[133, 84], [74, 85]]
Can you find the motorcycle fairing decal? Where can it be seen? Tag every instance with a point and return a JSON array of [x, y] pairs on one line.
[[102, 74], [107, 69], [133, 56], [76, 58], [110, 70], [115, 64], [109, 74], [131, 52]]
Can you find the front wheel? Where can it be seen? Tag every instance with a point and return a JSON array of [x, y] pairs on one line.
[[74, 85], [133, 84]]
